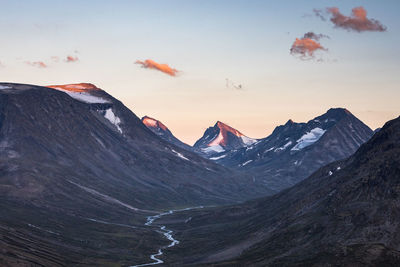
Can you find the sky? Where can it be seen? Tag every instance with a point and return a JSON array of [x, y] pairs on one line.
[[272, 77]]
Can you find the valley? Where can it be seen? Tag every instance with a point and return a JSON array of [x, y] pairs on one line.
[[92, 184]]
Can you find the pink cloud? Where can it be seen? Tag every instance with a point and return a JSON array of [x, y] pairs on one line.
[[150, 64], [357, 21], [71, 59], [38, 64], [306, 46]]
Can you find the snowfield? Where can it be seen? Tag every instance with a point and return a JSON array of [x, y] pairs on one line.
[[84, 97], [213, 149], [309, 138], [109, 115], [4, 87], [247, 140]]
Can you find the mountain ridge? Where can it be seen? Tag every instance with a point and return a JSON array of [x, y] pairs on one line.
[[162, 131], [80, 171], [344, 213]]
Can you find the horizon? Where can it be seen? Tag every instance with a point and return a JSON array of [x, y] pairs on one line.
[[189, 65]]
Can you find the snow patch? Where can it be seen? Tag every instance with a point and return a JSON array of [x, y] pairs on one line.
[[330, 173], [217, 158], [179, 155], [247, 140], [213, 149], [269, 149], [247, 162], [217, 140], [249, 148], [84, 96], [109, 115], [309, 138], [4, 87], [283, 147]]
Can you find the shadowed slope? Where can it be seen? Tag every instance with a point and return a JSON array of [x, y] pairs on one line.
[[346, 213]]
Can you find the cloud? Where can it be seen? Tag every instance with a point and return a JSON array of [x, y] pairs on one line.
[[38, 64], [319, 13], [231, 84], [150, 64], [71, 59], [306, 46], [311, 35], [357, 21]]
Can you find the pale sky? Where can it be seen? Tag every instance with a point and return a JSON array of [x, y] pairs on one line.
[[247, 42]]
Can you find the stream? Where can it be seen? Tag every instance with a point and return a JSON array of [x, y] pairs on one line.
[[167, 234]]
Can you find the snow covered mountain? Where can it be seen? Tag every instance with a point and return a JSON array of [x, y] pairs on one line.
[[221, 138], [162, 131], [294, 150], [344, 214]]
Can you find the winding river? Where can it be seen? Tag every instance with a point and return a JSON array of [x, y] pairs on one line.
[[167, 234]]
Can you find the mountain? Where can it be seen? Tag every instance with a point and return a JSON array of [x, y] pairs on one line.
[[162, 131], [221, 138], [80, 173], [294, 150], [344, 214]]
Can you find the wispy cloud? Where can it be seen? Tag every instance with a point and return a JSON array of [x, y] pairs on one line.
[[357, 21], [231, 84], [70, 59], [312, 35], [306, 46], [150, 64], [38, 64]]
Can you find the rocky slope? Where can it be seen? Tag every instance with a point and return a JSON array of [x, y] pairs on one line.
[[79, 172], [346, 214], [162, 131], [295, 150]]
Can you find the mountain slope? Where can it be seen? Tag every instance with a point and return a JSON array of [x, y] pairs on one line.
[[79, 171], [221, 138], [162, 131], [294, 150], [347, 214]]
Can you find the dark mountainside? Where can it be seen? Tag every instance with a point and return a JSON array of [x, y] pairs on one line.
[[345, 214], [162, 131], [295, 150], [78, 179], [290, 154]]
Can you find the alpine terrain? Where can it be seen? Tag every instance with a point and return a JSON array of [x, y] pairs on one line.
[[344, 214]]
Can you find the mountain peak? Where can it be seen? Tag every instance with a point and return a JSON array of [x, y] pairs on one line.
[[75, 87], [335, 112], [290, 121], [222, 137], [162, 131], [226, 128], [153, 123]]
